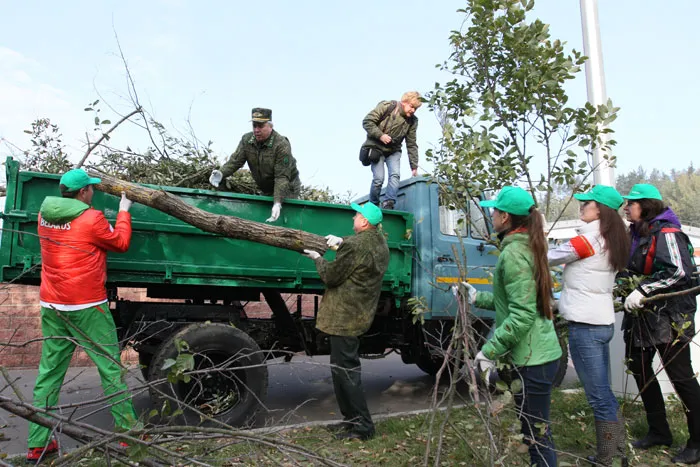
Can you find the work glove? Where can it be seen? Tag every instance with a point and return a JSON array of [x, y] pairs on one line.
[[634, 301], [215, 178], [483, 364], [311, 254], [333, 242], [275, 213], [471, 292], [124, 203]]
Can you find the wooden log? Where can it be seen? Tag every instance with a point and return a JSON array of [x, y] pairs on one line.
[[228, 226]]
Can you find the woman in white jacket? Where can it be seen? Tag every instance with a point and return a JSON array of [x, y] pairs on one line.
[[592, 260]]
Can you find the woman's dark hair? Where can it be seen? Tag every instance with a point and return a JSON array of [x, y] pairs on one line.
[[534, 225], [617, 240], [66, 193], [650, 209]]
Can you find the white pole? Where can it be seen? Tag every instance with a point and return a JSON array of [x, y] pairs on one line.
[[595, 82]]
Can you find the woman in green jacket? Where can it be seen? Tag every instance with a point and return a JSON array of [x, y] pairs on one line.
[[522, 297]]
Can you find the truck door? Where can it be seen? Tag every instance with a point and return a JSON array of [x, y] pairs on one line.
[[461, 232]]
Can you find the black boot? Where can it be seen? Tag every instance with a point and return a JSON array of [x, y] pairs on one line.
[[687, 456], [659, 432], [388, 204]]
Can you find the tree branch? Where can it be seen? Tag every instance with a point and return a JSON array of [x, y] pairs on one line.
[[91, 147], [228, 226]]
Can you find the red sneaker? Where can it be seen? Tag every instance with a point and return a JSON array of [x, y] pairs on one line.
[[34, 454]]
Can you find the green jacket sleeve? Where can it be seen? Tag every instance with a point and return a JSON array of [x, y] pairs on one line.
[[283, 169], [484, 300], [334, 273], [373, 119], [521, 296], [411, 144], [234, 162]]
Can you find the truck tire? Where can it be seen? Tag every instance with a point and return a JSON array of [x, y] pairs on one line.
[[227, 394]]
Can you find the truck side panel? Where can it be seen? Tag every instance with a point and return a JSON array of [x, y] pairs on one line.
[[165, 250]]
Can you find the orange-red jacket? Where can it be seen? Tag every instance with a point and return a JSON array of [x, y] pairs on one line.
[[74, 250]]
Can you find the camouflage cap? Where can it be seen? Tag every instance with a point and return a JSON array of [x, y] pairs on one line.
[[261, 115]]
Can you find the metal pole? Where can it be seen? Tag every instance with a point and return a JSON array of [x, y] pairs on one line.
[[595, 82]]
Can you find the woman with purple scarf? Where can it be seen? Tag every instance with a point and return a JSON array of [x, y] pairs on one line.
[[663, 255]]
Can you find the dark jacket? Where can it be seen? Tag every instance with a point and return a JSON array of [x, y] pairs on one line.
[[396, 125], [353, 284], [671, 271], [271, 164]]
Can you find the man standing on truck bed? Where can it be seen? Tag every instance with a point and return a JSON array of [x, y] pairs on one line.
[[387, 126], [270, 160], [353, 284], [75, 239]]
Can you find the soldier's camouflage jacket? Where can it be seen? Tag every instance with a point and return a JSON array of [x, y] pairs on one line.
[[353, 284], [396, 125], [271, 164]]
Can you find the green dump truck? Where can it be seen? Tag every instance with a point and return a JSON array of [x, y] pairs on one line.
[[199, 284]]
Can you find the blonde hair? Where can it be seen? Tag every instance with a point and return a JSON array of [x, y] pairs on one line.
[[413, 98]]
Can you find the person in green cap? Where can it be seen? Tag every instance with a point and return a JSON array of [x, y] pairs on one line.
[[353, 284], [75, 239], [592, 259], [269, 158], [522, 297], [662, 255]]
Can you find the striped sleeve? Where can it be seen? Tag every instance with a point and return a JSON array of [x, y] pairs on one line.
[[575, 249], [668, 264]]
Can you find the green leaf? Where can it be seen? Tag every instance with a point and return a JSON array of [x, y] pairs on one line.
[[97, 120], [106, 122], [169, 362]]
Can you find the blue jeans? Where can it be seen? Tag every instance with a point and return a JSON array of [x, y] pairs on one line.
[[393, 164], [589, 345], [533, 402]]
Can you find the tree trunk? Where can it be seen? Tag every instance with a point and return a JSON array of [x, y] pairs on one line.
[[228, 226]]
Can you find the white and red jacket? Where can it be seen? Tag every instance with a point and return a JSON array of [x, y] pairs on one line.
[[588, 280], [74, 253]]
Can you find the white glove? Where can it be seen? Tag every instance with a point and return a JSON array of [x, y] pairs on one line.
[[471, 292], [634, 301], [483, 364], [311, 254], [215, 178], [124, 203], [275, 213], [333, 242]]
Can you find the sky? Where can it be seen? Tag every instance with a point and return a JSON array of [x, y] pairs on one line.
[[320, 67]]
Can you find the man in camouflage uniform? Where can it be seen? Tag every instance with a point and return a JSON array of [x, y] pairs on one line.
[[387, 126], [353, 284], [270, 160]]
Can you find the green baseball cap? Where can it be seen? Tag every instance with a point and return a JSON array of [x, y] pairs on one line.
[[370, 212], [602, 194], [644, 191], [511, 199], [76, 179]]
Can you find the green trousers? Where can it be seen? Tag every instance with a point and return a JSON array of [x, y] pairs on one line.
[[347, 383], [60, 339]]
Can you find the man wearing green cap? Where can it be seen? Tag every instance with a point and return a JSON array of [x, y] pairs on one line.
[[270, 160], [75, 239], [353, 284]]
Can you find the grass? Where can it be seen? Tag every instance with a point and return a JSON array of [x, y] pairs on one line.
[[401, 441]]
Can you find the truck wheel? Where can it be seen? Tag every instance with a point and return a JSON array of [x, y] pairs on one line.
[[231, 390], [145, 360]]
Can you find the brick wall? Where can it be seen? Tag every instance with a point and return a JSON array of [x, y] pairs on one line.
[[20, 323]]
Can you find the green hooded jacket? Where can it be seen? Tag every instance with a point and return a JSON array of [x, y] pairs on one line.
[[396, 125], [522, 336], [271, 164], [353, 284], [58, 210]]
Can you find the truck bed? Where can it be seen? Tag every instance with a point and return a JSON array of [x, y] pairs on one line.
[[167, 252]]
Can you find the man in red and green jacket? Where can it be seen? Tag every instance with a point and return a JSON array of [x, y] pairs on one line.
[[75, 239]]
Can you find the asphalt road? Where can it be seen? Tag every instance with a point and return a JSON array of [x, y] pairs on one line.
[[299, 391]]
